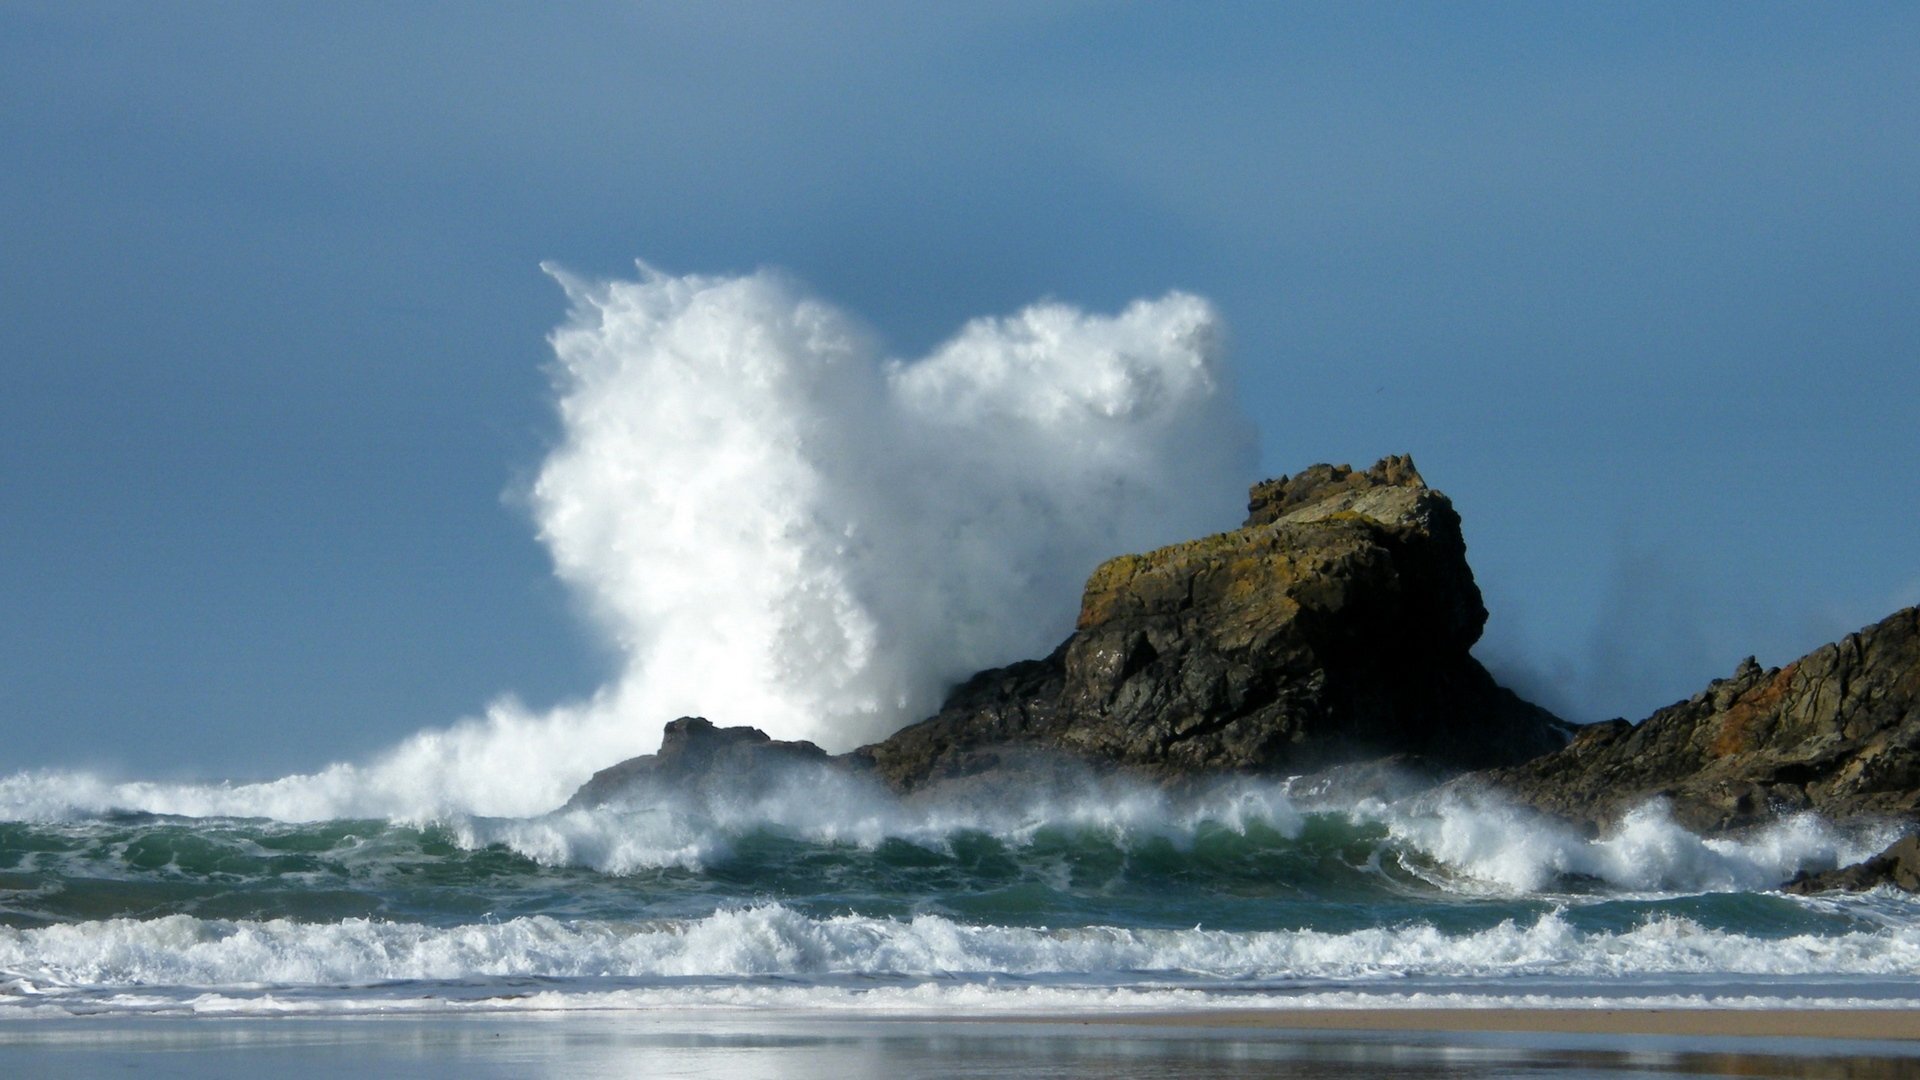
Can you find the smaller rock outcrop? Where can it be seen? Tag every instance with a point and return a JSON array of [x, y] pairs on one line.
[[1898, 866], [697, 756], [1836, 731]]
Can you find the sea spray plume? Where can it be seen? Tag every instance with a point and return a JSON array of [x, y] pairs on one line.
[[780, 527]]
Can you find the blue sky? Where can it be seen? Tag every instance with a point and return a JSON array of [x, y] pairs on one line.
[[1638, 285]]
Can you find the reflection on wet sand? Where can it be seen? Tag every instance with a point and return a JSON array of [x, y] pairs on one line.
[[798, 1047]]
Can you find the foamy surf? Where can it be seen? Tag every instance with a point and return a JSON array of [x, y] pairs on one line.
[[1472, 847], [773, 955], [927, 999]]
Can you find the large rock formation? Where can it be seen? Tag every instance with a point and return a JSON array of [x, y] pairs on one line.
[[1836, 731], [1334, 625]]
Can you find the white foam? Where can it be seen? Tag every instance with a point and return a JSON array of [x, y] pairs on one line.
[[1510, 849], [929, 998], [775, 941]]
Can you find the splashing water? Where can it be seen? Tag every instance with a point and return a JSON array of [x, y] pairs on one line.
[[778, 525]]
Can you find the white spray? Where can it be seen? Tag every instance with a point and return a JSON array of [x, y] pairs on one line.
[[780, 526]]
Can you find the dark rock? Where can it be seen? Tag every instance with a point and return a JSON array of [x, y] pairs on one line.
[[695, 755], [1836, 731], [1013, 775], [1334, 626], [1898, 865]]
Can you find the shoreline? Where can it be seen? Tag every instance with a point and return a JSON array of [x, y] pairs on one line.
[[1462, 1043], [1796, 1023]]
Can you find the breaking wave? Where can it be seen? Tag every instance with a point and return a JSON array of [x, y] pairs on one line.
[[775, 942], [1104, 849], [777, 524]]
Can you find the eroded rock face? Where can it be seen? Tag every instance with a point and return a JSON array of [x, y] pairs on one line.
[[1335, 625], [1836, 731]]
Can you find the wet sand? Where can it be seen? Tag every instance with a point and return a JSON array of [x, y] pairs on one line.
[[1408, 1044], [1876, 1024]]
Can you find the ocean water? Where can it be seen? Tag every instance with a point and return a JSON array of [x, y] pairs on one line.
[[776, 522], [824, 894]]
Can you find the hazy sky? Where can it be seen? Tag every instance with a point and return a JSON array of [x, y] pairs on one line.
[[1639, 286]]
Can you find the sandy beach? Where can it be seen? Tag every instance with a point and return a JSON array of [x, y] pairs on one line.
[[1874, 1024], [1343, 1044]]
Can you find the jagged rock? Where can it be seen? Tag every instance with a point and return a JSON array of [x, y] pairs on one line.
[[696, 755], [1898, 865], [1335, 625], [1836, 731], [1272, 499]]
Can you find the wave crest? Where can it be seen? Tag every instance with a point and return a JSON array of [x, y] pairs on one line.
[[775, 941]]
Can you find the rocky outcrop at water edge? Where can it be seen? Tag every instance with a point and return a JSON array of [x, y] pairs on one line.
[[1333, 626], [1836, 731]]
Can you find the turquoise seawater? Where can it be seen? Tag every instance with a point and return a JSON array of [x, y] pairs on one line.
[[1239, 897], [1335, 875]]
